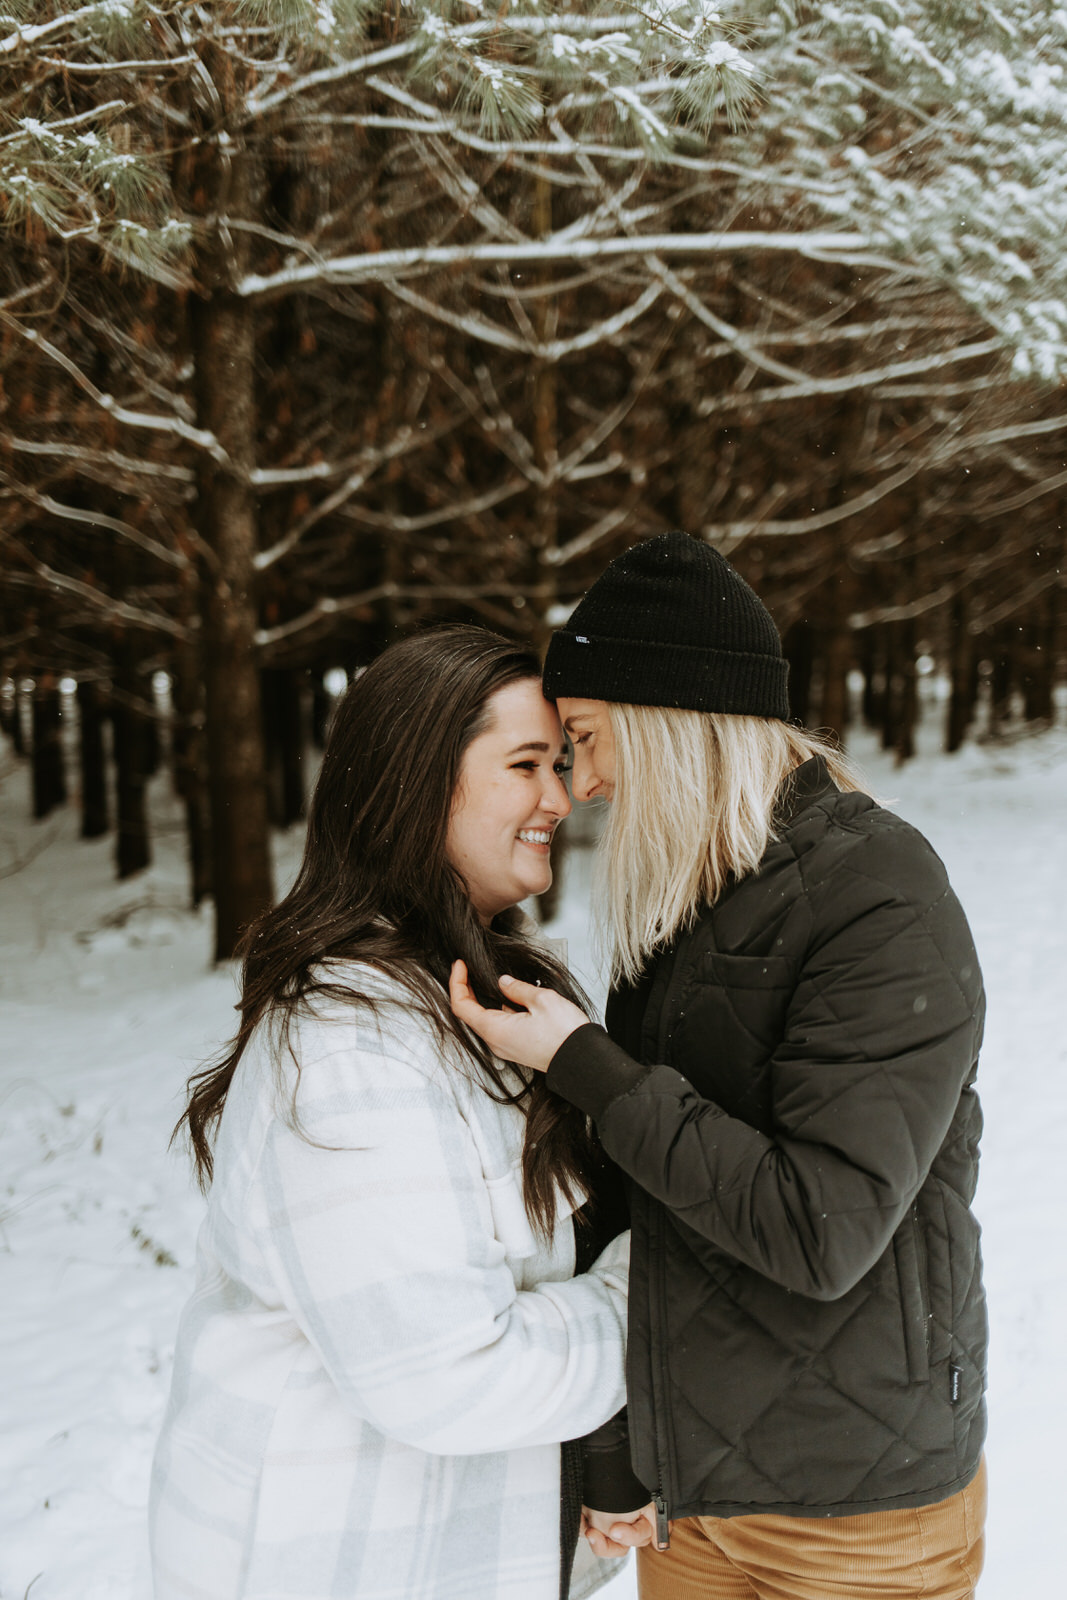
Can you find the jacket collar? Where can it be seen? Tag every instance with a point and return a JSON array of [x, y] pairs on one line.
[[802, 788]]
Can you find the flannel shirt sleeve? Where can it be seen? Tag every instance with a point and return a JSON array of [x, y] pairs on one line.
[[381, 1229]]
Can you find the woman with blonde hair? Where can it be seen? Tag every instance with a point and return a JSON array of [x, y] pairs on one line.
[[786, 1078]]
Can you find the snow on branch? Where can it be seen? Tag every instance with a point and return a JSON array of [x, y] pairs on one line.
[[380, 266], [100, 604], [67, 21], [487, 332], [454, 511], [802, 387], [96, 519], [151, 421], [326, 78], [794, 527], [328, 607], [406, 439]]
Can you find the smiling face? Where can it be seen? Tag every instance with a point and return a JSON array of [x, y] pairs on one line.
[[588, 726], [509, 800]]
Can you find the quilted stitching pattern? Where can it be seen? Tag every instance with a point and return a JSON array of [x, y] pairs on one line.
[[785, 1139]]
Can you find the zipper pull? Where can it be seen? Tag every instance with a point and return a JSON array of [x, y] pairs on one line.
[[663, 1527]]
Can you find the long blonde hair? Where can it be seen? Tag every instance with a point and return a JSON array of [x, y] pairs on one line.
[[693, 807]]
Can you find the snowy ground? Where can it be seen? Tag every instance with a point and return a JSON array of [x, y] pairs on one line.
[[107, 1002]]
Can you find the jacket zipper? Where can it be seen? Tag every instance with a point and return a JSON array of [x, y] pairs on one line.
[[656, 1308], [659, 1497]]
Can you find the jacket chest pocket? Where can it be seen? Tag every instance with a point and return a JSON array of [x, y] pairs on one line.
[[730, 1018]]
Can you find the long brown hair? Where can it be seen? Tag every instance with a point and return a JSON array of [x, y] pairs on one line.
[[375, 886]]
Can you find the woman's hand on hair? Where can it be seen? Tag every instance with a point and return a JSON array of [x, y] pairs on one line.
[[532, 1027]]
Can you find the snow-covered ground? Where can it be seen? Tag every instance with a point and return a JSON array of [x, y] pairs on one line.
[[107, 1002]]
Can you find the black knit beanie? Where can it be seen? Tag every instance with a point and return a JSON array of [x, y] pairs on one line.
[[670, 623]]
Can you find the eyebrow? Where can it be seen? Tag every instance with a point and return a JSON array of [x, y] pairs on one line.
[[534, 745]]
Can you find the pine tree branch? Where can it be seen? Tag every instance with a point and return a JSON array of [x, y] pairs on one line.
[[101, 604], [407, 439], [733, 532], [454, 511], [1015, 502], [487, 332], [802, 387], [151, 421], [61, 124], [101, 68], [383, 266], [95, 519], [30, 35], [260, 105], [1017, 602], [329, 608], [600, 530], [972, 567]]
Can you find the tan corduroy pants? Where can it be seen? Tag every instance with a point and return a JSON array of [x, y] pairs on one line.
[[934, 1551]]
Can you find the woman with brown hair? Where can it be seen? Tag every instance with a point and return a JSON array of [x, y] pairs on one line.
[[786, 1078], [396, 1320]]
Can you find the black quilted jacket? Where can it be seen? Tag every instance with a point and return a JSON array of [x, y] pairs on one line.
[[790, 1091]]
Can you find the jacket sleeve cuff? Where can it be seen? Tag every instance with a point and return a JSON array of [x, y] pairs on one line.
[[608, 1482], [590, 1070]]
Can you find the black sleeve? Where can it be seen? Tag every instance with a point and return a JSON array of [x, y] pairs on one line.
[[608, 1482], [880, 1040]]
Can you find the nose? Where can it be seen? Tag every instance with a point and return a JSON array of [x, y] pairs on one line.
[[584, 782], [554, 797]]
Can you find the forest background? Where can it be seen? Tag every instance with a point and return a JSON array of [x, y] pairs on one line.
[[324, 319]]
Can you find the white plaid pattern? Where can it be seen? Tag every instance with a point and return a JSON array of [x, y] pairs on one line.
[[380, 1356]]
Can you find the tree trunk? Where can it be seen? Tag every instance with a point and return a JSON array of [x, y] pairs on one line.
[[799, 649], [544, 407], [152, 742], [836, 662], [1039, 674], [321, 709], [222, 334], [18, 725], [869, 667], [963, 679], [1003, 679], [10, 719], [906, 686], [95, 820], [544, 593], [190, 770], [892, 694], [283, 731], [129, 724], [49, 779], [224, 353]]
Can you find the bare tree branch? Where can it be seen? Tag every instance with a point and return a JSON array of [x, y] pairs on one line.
[[382, 266]]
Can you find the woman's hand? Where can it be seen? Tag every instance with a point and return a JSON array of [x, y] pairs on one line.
[[613, 1533], [530, 1036]]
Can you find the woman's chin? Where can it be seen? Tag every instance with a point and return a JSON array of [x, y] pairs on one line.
[[543, 885], [527, 887], [533, 886]]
